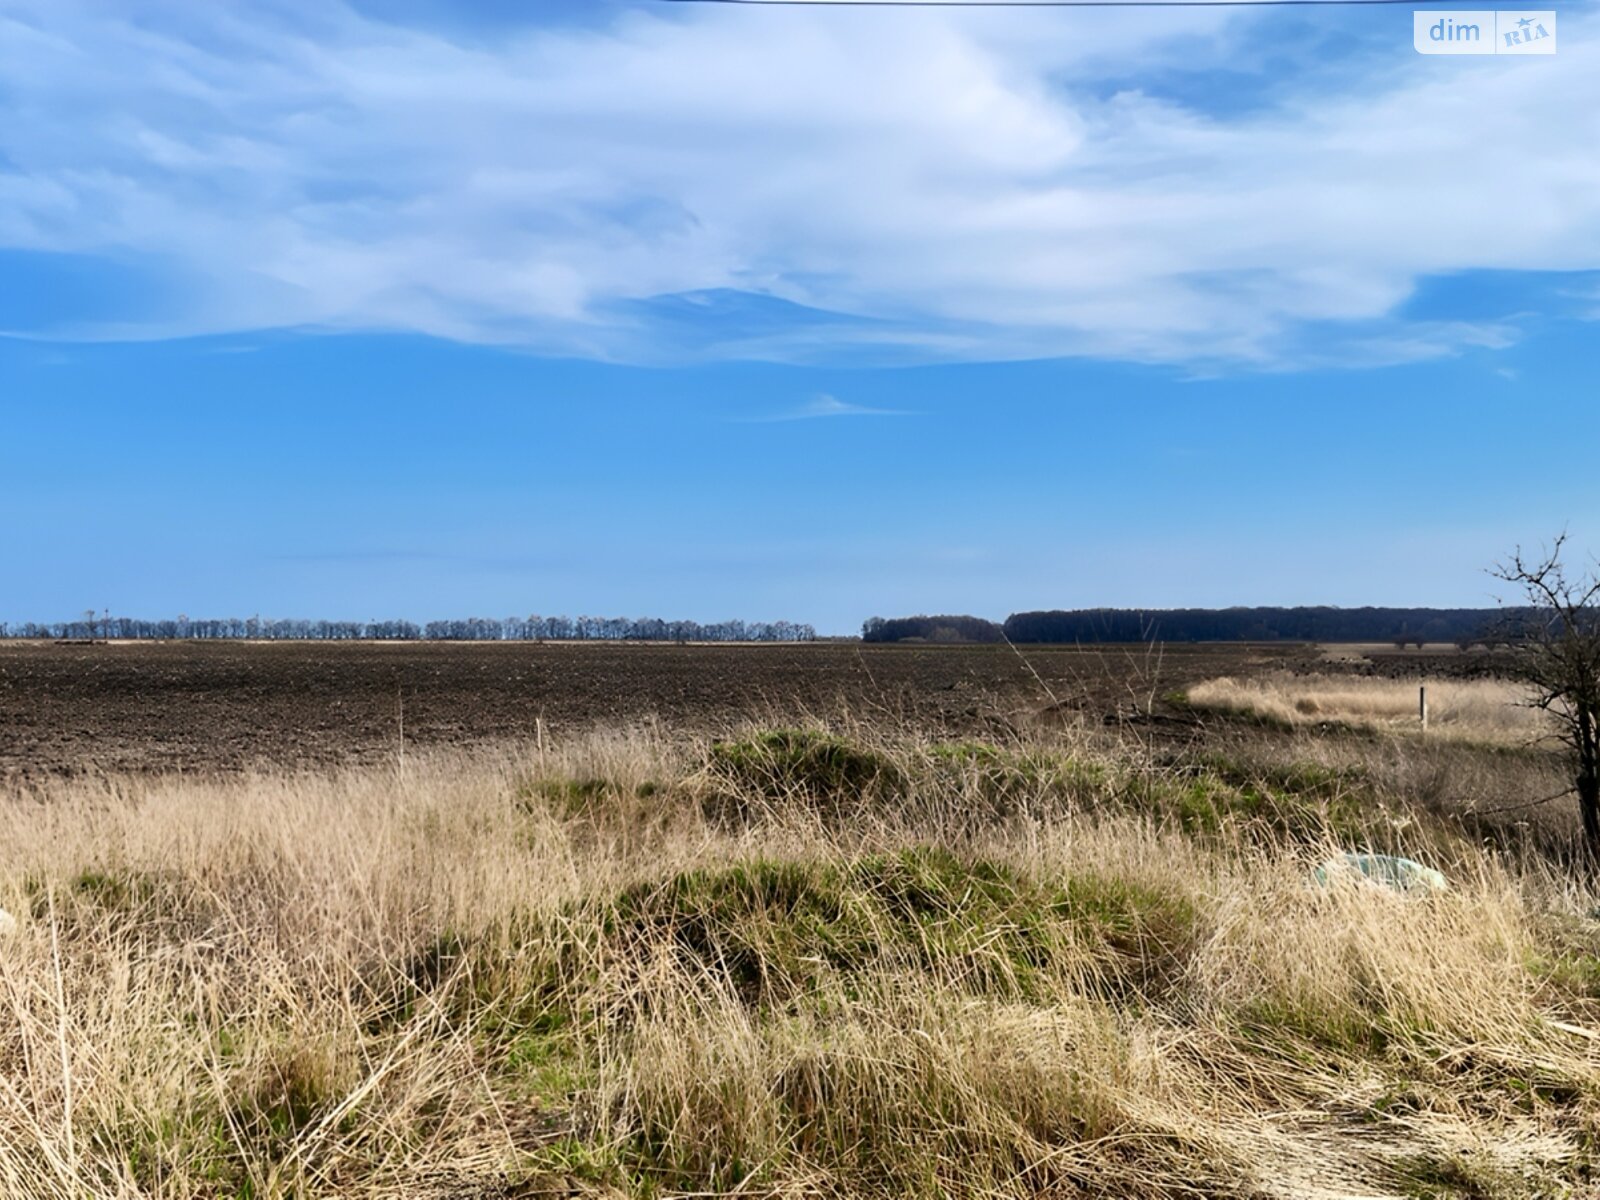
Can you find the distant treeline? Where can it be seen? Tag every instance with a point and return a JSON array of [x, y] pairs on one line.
[[1460, 625], [931, 629], [472, 629]]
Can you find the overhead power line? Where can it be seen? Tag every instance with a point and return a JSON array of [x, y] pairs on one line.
[[1051, 3]]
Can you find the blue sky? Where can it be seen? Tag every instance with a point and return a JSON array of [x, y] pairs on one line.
[[420, 309]]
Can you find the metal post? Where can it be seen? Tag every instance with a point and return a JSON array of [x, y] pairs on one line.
[[1422, 706]]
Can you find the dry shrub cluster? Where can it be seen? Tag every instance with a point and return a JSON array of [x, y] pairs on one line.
[[797, 962]]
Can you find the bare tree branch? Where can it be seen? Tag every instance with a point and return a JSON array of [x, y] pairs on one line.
[[1556, 635]]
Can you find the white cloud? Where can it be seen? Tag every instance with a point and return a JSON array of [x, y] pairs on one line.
[[831, 406], [949, 186]]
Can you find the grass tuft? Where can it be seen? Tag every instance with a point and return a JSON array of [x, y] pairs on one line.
[[807, 766]]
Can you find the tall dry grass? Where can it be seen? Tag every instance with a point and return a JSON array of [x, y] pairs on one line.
[[797, 963], [1488, 710]]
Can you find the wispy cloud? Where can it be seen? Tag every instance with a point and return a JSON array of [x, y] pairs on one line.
[[977, 186], [1588, 299], [825, 406]]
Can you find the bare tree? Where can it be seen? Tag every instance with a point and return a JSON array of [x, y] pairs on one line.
[[1557, 639]]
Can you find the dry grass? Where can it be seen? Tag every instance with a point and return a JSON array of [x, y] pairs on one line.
[[1487, 710], [632, 965]]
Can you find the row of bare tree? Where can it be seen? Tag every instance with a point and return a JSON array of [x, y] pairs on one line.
[[92, 626]]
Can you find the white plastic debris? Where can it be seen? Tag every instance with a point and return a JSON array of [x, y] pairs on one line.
[[8, 923], [1401, 874]]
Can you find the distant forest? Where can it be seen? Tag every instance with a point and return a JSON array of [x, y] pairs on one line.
[[472, 629], [931, 629], [1460, 625]]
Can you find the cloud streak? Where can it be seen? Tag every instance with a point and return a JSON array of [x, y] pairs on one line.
[[954, 187], [826, 407]]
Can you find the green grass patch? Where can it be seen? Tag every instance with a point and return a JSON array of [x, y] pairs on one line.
[[543, 1058], [1573, 972], [1309, 1034], [1005, 778], [164, 1149], [807, 765], [115, 891], [1565, 959], [1301, 801], [776, 931], [102, 896], [565, 797]]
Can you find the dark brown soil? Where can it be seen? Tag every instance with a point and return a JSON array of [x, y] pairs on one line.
[[232, 705], [1443, 664]]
